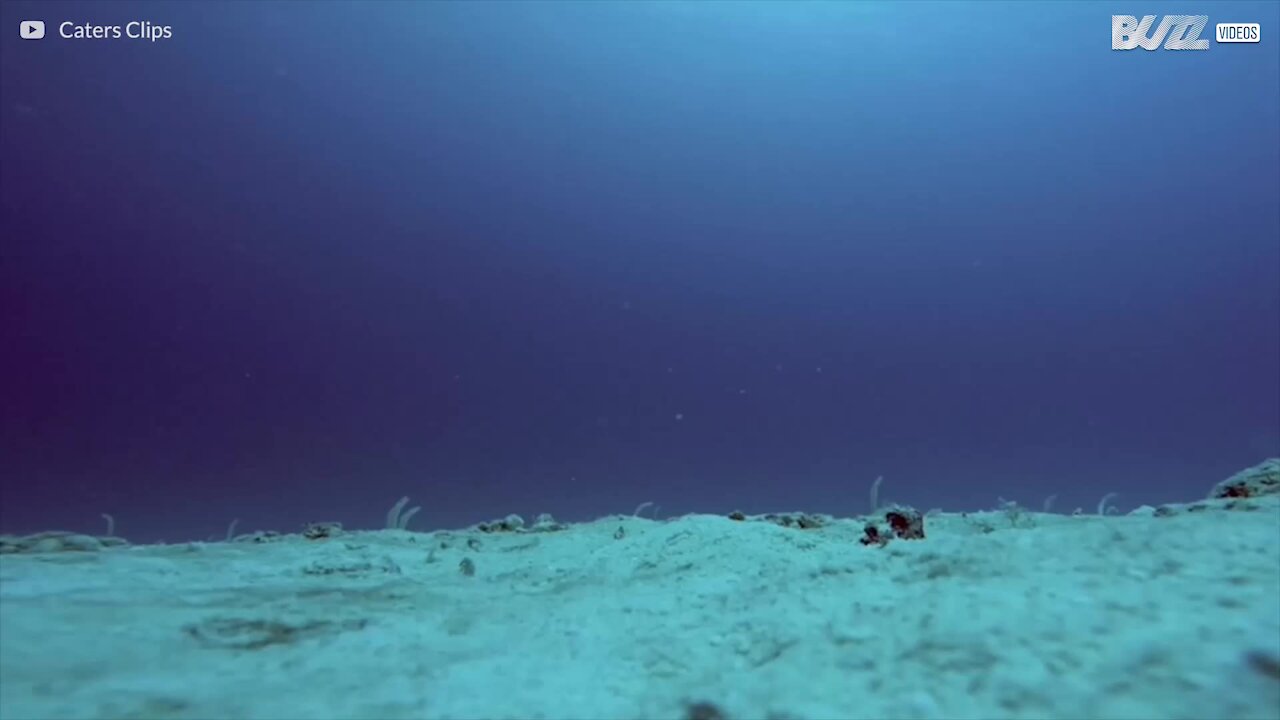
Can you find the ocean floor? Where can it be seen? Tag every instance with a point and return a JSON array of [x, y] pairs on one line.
[[1170, 612]]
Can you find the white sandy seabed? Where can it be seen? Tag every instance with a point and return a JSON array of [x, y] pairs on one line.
[[993, 615]]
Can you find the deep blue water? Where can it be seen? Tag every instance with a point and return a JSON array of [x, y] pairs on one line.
[[303, 258]]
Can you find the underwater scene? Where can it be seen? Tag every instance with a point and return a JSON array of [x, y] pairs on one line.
[[639, 360]]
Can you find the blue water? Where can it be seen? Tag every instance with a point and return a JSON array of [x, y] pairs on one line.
[[301, 259]]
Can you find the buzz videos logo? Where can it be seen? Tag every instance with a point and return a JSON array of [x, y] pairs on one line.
[[1175, 32]]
